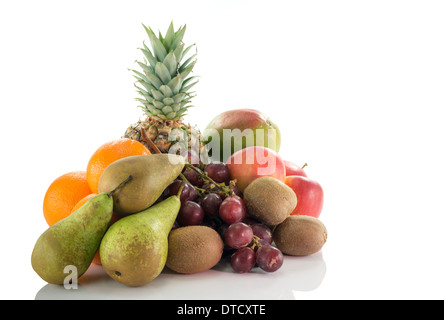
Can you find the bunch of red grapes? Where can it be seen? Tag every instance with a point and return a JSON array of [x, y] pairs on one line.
[[209, 198]]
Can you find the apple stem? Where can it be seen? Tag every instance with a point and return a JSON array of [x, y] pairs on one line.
[[305, 164]]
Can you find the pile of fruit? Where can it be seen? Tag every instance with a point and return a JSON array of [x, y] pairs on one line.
[[166, 195]]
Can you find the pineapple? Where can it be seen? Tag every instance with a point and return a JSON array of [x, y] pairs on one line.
[[164, 86]]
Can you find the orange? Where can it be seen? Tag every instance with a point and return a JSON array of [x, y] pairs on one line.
[[63, 194], [107, 154]]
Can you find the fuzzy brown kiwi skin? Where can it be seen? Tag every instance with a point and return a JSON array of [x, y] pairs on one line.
[[300, 235], [269, 200], [193, 249]]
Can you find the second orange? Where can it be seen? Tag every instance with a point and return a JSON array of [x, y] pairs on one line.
[[107, 154]]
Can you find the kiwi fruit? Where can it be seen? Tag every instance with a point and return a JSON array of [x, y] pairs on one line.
[[300, 235], [193, 249], [269, 200]]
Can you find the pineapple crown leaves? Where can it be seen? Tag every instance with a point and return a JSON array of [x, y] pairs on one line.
[[164, 81]]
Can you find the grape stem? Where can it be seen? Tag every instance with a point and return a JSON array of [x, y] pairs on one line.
[[181, 175], [255, 242], [213, 184], [200, 191]]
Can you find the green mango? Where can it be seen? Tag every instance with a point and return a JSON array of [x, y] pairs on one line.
[[237, 129]]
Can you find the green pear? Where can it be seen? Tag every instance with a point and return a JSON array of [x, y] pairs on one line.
[[151, 175], [72, 241], [134, 249]]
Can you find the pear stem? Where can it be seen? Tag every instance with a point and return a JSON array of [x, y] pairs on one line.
[[182, 185], [120, 185], [146, 139]]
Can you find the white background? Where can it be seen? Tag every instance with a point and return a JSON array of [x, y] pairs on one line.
[[356, 88]]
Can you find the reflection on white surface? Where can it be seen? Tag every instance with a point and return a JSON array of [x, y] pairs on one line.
[[296, 274]]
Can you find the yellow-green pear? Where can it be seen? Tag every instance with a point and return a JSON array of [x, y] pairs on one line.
[[134, 249], [73, 241], [151, 175]]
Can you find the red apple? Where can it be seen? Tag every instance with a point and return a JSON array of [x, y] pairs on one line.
[[309, 193], [251, 163], [292, 169]]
